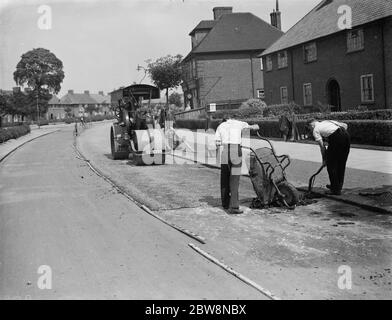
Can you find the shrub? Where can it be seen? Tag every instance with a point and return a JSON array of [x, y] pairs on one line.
[[11, 124], [43, 122], [99, 117], [13, 132], [280, 109], [273, 112], [69, 120], [245, 112], [259, 110], [255, 104]]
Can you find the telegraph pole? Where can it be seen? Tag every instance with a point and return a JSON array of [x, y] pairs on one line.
[[39, 127]]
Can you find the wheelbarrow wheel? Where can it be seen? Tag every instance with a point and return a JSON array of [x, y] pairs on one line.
[[290, 193]]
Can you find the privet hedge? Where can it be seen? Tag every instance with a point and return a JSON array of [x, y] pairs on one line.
[[13, 132], [276, 111], [369, 132]]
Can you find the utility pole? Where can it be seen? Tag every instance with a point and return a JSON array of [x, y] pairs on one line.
[[38, 111], [139, 67]]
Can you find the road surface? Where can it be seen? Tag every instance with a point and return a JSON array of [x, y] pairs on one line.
[[55, 212], [294, 253]]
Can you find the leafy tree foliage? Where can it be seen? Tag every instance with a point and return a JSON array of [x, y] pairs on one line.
[[42, 72], [175, 98], [68, 111], [165, 73], [90, 109]]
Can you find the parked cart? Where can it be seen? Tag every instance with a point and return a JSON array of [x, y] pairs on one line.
[[267, 173]]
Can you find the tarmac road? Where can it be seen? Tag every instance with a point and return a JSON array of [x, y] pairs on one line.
[[54, 211], [296, 254]]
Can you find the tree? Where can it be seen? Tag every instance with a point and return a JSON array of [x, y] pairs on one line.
[[3, 105], [42, 72], [13, 104], [165, 73], [68, 111], [90, 109], [175, 98]]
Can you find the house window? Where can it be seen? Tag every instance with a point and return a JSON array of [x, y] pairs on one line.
[[355, 40], [260, 93], [282, 59], [367, 88], [261, 64], [310, 52], [308, 99], [284, 99], [269, 63]]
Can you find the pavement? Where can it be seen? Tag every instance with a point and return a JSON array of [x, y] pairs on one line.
[[57, 215], [368, 181], [11, 145], [296, 254]]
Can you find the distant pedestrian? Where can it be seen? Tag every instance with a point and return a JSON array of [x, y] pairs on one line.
[[294, 135], [284, 126], [335, 157], [82, 121], [228, 136]]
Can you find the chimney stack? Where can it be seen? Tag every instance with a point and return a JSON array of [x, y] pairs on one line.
[[86, 92], [276, 19], [220, 11], [70, 91]]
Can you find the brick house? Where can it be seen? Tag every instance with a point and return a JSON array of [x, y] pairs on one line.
[[316, 62], [224, 65], [77, 104]]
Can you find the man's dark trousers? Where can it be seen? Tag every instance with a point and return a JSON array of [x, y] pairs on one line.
[[231, 163], [337, 154]]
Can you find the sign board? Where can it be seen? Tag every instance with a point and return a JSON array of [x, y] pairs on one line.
[[212, 107]]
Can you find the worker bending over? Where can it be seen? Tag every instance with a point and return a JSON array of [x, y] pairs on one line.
[[335, 157]]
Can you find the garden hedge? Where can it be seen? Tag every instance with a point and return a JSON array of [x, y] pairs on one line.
[[367, 132], [275, 111], [13, 132]]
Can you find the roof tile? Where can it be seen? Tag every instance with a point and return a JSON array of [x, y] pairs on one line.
[[323, 21], [238, 32]]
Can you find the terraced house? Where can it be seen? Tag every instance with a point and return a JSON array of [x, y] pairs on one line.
[[223, 66], [318, 62], [78, 104]]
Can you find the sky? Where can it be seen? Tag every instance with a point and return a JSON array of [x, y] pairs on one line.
[[101, 42]]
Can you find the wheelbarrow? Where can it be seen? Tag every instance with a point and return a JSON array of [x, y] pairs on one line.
[[267, 173]]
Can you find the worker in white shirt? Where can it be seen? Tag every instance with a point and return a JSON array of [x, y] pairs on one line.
[[335, 157], [228, 136]]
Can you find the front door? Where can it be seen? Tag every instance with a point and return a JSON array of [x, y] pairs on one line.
[[333, 93]]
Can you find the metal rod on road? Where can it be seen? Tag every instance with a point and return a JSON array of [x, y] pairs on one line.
[[238, 275]]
